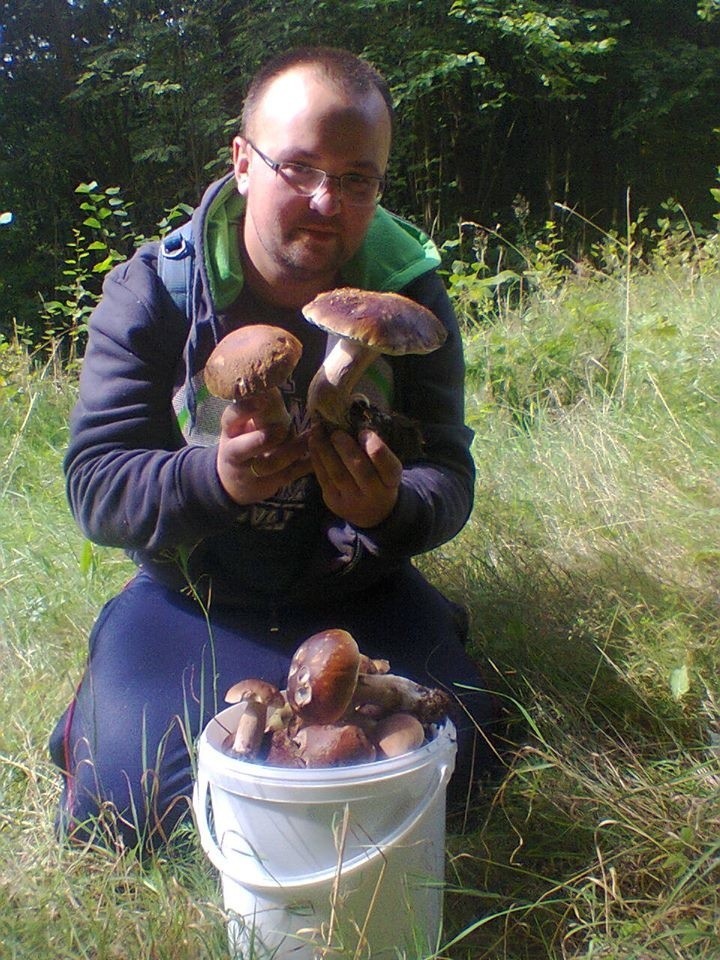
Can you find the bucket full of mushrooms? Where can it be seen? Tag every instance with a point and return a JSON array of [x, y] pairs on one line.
[[322, 805]]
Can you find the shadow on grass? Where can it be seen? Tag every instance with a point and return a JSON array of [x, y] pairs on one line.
[[595, 645], [578, 656]]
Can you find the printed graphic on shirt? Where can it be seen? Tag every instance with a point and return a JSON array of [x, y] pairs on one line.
[[276, 512]]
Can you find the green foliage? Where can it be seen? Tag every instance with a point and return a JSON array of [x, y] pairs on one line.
[[551, 100], [558, 38], [708, 9], [540, 336], [550, 358], [90, 255], [715, 193], [590, 569], [476, 296], [104, 238], [476, 288], [170, 67]]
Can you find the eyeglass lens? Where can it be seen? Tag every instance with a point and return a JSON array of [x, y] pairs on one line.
[[353, 187]]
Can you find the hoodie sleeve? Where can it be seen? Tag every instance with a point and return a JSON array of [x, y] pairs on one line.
[[131, 480], [436, 493]]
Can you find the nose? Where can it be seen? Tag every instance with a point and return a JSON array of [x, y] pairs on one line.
[[327, 199]]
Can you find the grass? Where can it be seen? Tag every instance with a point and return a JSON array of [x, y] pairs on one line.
[[590, 568]]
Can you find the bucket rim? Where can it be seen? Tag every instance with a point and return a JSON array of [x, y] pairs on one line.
[[374, 770]]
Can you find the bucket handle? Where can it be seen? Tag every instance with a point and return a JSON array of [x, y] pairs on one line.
[[267, 884]]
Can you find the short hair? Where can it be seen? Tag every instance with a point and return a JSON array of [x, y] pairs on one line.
[[342, 67]]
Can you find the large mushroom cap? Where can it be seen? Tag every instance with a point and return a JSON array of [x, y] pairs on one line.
[[322, 676], [251, 359], [386, 322]]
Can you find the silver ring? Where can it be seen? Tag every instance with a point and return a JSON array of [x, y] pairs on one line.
[[253, 469]]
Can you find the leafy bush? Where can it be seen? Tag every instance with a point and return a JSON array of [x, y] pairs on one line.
[[105, 238]]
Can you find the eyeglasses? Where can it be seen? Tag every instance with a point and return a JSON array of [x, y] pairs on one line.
[[355, 188]]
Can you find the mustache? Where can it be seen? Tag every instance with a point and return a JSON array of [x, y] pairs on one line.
[[320, 223]]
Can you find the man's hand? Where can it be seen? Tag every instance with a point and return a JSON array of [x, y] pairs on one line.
[[254, 460], [359, 479]]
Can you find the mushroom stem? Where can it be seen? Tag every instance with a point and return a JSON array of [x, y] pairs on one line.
[[264, 708], [330, 390], [268, 408], [370, 665], [399, 694], [250, 729]]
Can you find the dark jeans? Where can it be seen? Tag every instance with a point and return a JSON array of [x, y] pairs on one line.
[[158, 670]]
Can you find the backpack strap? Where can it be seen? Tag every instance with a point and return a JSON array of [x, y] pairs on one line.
[[176, 264], [175, 268]]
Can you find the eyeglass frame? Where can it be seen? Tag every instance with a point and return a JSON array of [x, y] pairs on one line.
[[275, 166]]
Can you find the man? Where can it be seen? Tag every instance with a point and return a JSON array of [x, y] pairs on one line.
[[248, 542]]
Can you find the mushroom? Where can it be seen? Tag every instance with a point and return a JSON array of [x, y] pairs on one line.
[[399, 733], [394, 693], [260, 699], [254, 360], [322, 676], [283, 750], [370, 665], [333, 745], [368, 323], [340, 707]]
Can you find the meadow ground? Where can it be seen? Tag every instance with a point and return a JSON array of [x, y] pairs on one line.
[[591, 572]]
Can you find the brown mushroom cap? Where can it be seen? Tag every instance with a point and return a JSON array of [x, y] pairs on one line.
[[385, 322], [333, 745], [322, 676], [399, 733], [258, 690], [251, 359]]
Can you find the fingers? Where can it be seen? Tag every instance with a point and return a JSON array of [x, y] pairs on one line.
[[251, 413], [359, 479], [278, 465], [340, 458], [235, 417], [388, 467], [253, 465]]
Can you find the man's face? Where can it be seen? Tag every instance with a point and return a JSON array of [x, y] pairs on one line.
[[292, 241]]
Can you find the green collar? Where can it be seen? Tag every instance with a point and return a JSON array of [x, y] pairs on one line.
[[394, 252]]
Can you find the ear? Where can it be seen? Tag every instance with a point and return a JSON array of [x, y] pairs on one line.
[[241, 159]]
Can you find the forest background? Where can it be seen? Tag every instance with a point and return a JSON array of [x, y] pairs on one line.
[[511, 114]]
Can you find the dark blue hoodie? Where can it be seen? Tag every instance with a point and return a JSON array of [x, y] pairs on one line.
[[140, 465]]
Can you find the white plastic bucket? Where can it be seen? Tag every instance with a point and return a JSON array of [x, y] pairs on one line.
[[331, 862]]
